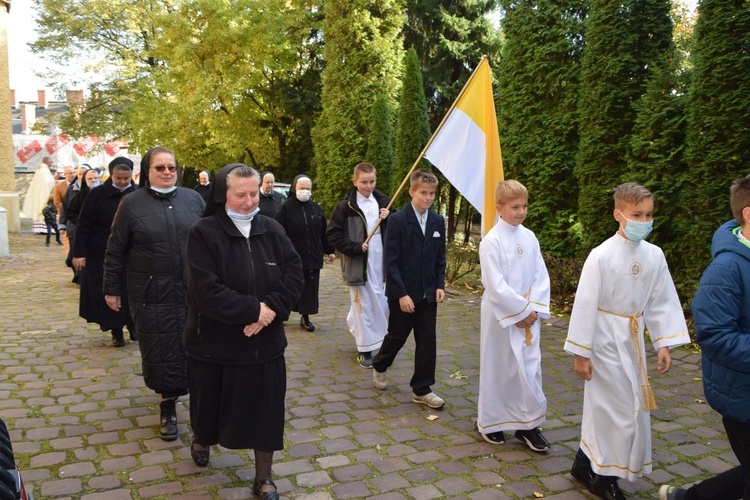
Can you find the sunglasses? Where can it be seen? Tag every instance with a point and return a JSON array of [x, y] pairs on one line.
[[162, 168]]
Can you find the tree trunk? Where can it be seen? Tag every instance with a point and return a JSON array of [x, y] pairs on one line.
[[452, 216]]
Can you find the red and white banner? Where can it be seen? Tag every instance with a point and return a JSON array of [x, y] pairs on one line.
[[85, 145], [56, 143], [29, 151], [113, 147]]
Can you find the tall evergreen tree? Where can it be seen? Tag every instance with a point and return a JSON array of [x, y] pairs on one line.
[[718, 141], [450, 38], [380, 140], [412, 127], [363, 53], [625, 41], [657, 145], [537, 106]]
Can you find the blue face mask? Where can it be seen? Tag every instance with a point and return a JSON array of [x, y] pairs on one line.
[[635, 230], [236, 215]]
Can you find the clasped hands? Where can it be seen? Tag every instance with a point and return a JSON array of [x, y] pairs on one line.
[[265, 318], [530, 320]]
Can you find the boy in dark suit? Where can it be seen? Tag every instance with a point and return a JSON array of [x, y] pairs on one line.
[[415, 285]]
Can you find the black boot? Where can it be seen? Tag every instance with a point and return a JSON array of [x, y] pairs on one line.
[[168, 431], [117, 339], [132, 332]]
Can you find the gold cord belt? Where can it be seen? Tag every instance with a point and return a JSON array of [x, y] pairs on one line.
[[649, 401]]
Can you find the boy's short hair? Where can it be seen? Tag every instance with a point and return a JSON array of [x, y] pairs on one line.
[[740, 192], [421, 176], [630, 192], [362, 168], [510, 190]]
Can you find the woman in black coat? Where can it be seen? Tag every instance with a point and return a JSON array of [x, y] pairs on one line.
[[92, 232], [147, 244], [243, 278], [305, 224]]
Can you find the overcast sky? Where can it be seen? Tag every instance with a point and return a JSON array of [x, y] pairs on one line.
[[24, 65]]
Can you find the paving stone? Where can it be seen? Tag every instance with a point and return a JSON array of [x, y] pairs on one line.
[[77, 469], [311, 479], [105, 482], [160, 490], [61, 487], [120, 494]]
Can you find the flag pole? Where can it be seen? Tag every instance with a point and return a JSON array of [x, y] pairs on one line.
[[427, 146]]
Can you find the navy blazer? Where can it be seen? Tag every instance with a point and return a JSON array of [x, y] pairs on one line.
[[415, 262]]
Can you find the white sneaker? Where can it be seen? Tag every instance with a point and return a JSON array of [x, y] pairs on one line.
[[380, 380], [432, 400]]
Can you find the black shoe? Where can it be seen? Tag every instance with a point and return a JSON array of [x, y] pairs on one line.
[[304, 322], [265, 495], [581, 471], [168, 431], [59, 242], [606, 488], [117, 339], [200, 457], [132, 333], [533, 439], [365, 359], [492, 437], [47, 244]]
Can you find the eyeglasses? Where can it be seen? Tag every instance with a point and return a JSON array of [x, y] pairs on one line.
[[162, 168]]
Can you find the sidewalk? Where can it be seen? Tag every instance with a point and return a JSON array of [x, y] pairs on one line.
[[84, 426]]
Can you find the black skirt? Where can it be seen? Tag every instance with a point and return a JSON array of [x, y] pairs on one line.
[[308, 301], [238, 406], [91, 305]]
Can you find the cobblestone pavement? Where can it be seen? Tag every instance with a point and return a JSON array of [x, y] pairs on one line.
[[84, 426]]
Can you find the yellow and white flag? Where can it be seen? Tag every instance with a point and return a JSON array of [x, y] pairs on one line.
[[466, 148]]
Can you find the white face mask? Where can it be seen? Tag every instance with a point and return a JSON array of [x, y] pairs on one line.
[[303, 194]]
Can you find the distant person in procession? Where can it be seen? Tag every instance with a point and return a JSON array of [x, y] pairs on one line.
[[270, 199], [305, 224]]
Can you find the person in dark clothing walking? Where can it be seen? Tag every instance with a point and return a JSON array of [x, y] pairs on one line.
[[243, 277], [305, 224], [148, 242], [92, 233], [270, 200], [50, 218], [204, 186]]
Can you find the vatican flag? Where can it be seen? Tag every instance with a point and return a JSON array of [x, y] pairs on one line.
[[466, 146]]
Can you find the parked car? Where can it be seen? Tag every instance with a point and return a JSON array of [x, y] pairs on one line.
[[282, 188], [11, 485]]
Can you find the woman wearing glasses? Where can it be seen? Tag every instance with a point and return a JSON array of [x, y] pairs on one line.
[[148, 243]]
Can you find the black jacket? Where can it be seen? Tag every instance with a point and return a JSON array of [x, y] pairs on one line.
[[305, 224], [347, 230], [227, 277], [148, 238], [50, 213], [269, 203], [415, 261]]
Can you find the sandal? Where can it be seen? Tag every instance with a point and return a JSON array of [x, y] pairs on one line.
[[265, 495], [200, 457]]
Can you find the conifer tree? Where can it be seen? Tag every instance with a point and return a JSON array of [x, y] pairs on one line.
[[625, 41], [412, 127], [363, 53], [380, 141], [718, 140], [537, 99]]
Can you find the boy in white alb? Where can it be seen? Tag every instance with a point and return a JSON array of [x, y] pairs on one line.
[[516, 295], [625, 286], [362, 264]]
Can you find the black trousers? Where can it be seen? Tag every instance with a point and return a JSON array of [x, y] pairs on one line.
[[52, 226], [734, 483], [400, 324]]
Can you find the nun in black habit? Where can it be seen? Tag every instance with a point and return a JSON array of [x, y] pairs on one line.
[[305, 224]]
